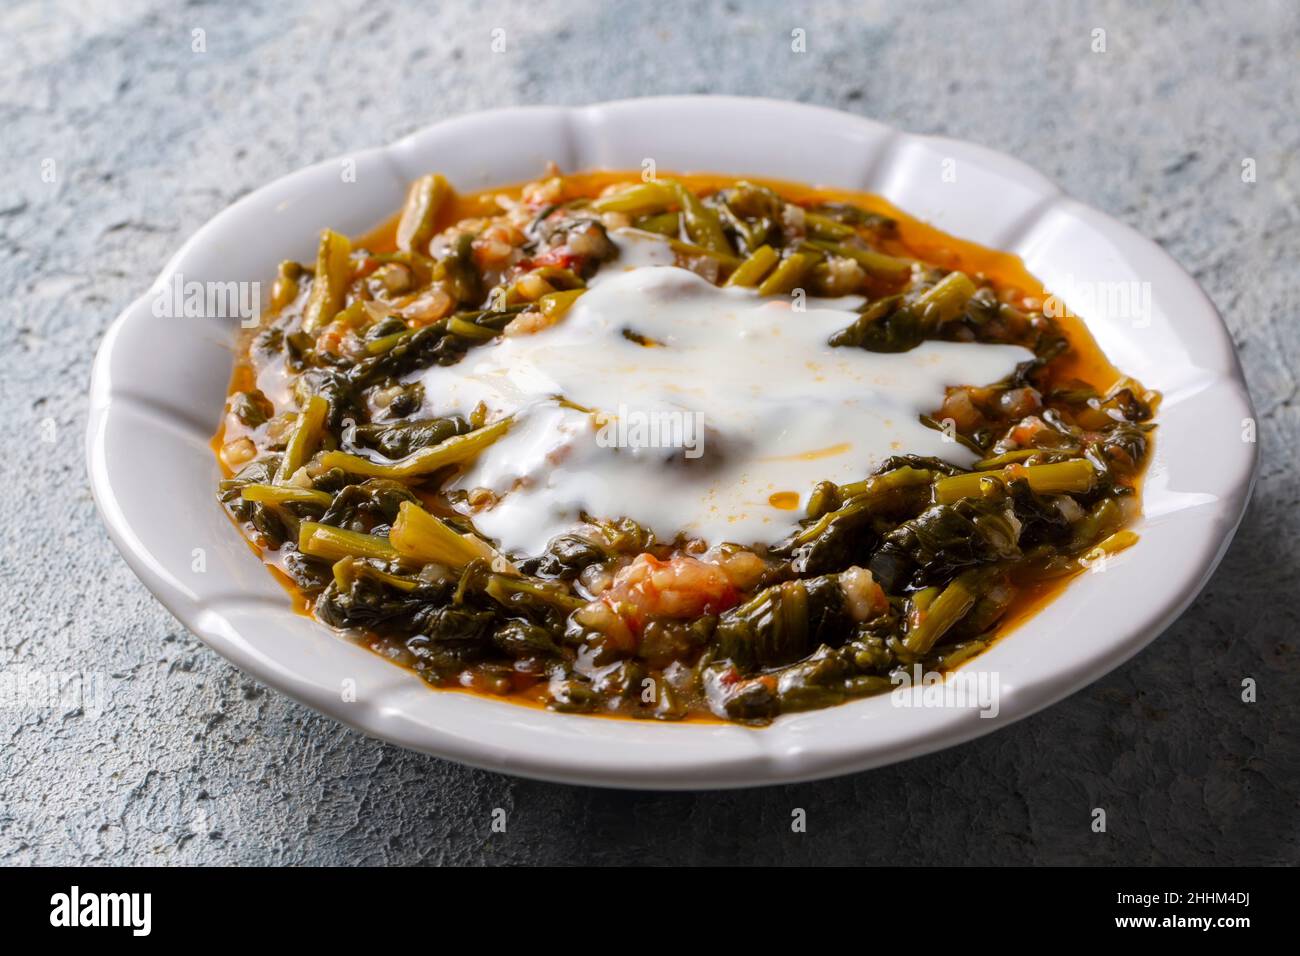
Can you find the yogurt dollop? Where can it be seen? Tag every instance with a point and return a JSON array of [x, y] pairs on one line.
[[692, 409]]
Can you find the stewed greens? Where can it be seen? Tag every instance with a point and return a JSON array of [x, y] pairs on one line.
[[341, 461]]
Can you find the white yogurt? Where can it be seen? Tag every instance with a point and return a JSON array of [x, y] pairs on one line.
[[780, 409]]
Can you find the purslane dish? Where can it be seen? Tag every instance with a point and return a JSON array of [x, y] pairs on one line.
[[159, 379], [674, 446]]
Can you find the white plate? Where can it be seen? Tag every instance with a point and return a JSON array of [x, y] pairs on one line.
[[158, 387]]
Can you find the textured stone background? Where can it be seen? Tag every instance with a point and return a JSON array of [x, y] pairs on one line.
[[192, 762]]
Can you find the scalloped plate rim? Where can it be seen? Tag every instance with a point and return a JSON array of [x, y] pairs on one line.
[[744, 755]]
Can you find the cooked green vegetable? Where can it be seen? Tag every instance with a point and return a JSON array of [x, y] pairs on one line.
[[324, 541], [452, 451], [285, 495], [399, 439], [691, 249], [751, 272], [458, 326], [946, 299], [784, 623], [638, 199], [555, 304], [841, 535], [944, 539], [420, 536], [330, 285], [886, 325], [455, 272], [508, 589], [787, 275], [304, 439], [426, 197], [664, 223], [285, 289], [943, 613], [887, 268], [702, 224], [1075, 476], [824, 227], [358, 476]]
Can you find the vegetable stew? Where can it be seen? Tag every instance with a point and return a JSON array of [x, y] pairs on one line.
[[691, 447]]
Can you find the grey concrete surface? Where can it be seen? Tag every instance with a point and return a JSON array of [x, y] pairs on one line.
[[181, 759]]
